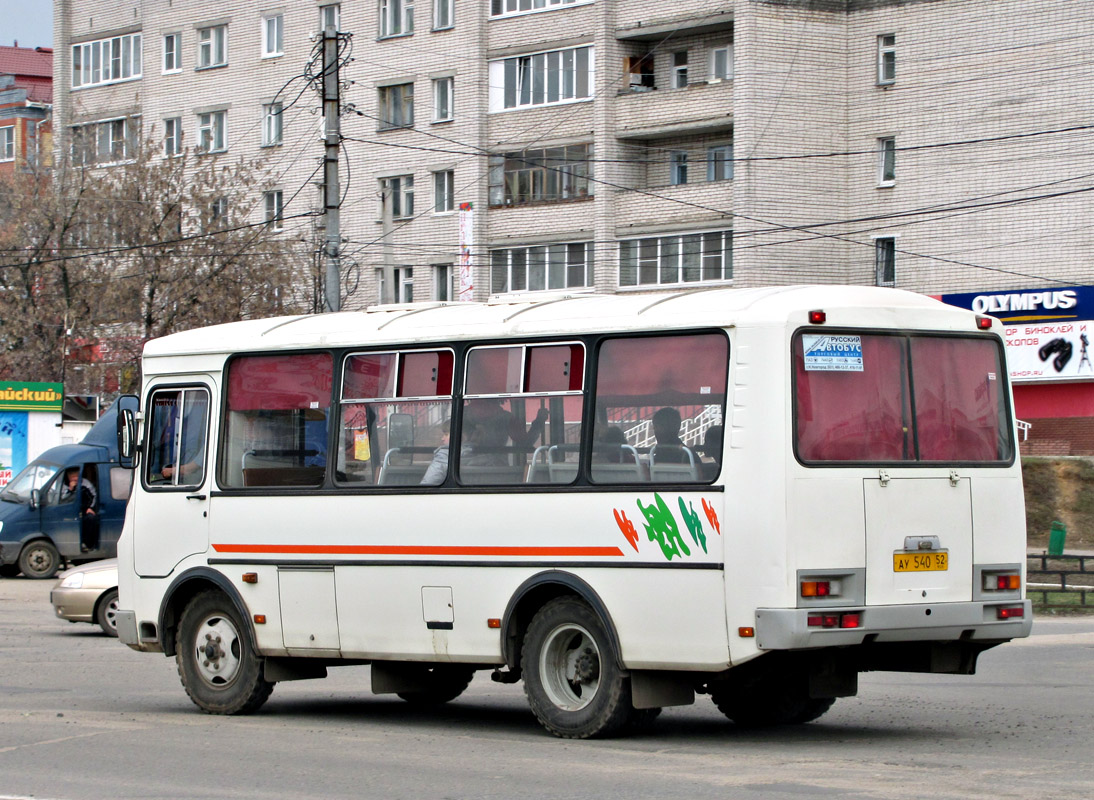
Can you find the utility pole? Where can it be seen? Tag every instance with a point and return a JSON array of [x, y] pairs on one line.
[[332, 288]]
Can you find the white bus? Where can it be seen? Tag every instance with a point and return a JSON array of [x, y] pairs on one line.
[[621, 500]]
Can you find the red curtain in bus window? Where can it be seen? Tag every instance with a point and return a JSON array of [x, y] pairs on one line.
[[369, 375], [958, 388], [662, 370], [493, 370], [555, 368], [426, 374], [279, 383], [855, 416]]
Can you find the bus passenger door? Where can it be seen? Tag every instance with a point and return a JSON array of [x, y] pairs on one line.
[[171, 513]]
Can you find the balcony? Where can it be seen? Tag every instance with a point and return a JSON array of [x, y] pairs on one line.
[[662, 113], [707, 203], [640, 22]]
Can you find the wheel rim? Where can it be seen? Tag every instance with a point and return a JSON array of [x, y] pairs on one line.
[[40, 560], [110, 613], [569, 665], [217, 651]]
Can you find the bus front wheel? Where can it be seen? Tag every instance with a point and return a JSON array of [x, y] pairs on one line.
[[216, 661], [571, 675]]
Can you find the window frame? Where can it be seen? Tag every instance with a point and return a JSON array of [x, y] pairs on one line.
[[402, 199], [172, 137], [444, 191], [886, 161], [273, 124], [678, 167], [526, 251], [516, 81], [94, 59], [217, 128], [545, 5], [210, 409], [330, 9], [276, 47], [215, 46], [396, 106], [727, 49], [449, 7], [7, 143], [443, 97], [724, 164], [572, 177], [886, 59], [396, 18], [680, 70], [726, 258], [176, 52], [885, 261], [274, 203]]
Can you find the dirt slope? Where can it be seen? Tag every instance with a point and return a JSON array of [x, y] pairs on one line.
[[1059, 489]]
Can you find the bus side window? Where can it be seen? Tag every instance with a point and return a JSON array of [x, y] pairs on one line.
[[177, 435]]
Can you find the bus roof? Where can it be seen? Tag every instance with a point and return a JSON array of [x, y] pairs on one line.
[[559, 314]]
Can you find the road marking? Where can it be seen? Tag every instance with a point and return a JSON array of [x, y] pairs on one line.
[[47, 741]]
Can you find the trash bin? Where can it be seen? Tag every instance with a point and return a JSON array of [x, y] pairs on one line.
[[1056, 536]]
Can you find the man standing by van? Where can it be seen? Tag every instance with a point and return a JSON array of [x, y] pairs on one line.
[[89, 521]]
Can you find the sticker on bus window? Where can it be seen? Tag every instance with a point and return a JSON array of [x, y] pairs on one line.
[[826, 353], [361, 449]]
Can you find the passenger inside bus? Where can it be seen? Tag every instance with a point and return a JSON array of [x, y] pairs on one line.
[[666, 429]]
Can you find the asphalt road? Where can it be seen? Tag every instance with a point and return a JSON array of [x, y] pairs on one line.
[[84, 717]]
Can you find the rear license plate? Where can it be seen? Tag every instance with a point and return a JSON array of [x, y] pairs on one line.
[[921, 562]]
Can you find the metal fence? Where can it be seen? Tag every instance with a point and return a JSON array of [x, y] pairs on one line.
[[1060, 581]]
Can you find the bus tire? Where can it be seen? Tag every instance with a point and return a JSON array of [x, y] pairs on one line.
[[217, 664], [571, 673], [815, 708], [777, 700], [39, 560], [446, 682]]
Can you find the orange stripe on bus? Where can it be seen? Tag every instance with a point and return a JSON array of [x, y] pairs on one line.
[[415, 550]]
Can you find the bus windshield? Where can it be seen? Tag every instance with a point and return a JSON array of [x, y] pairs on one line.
[[33, 476], [892, 398]]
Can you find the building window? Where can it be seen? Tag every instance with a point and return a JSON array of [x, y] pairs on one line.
[[720, 162], [172, 136], [678, 167], [689, 258], [721, 63], [442, 282], [640, 75], [443, 191], [549, 174], [885, 261], [886, 59], [500, 8], [330, 16], [218, 212], [272, 36], [272, 131], [400, 190], [7, 143], [886, 150], [534, 269], [275, 206], [559, 76], [680, 69], [444, 14], [404, 284], [397, 106], [107, 142], [172, 52], [212, 46], [212, 132], [396, 17], [442, 99], [106, 61]]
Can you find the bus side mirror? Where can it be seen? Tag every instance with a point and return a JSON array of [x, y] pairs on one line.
[[127, 430]]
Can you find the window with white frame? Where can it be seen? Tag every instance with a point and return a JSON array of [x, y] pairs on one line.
[[680, 69], [442, 99], [721, 62], [541, 175], [212, 46], [540, 267], [212, 132], [273, 35], [397, 106], [399, 191], [687, 258], [7, 143], [404, 284], [272, 131], [720, 162], [107, 142], [442, 282], [172, 136], [886, 59], [558, 76], [886, 156], [444, 14], [678, 167], [218, 212], [275, 206], [106, 61], [330, 16], [885, 261], [172, 52], [396, 17], [500, 8], [444, 189]]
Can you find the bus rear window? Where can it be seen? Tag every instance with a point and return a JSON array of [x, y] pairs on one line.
[[878, 398]]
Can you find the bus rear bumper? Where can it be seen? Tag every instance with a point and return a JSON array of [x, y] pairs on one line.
[[790, 628]]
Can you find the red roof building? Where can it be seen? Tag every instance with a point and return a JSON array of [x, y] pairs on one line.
[[26, 104]]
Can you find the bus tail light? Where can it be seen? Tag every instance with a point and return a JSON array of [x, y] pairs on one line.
[[1011, 613], [983, 323], [845, 620], [820, 588], [850, 620], [818, 317], [1002, 582]]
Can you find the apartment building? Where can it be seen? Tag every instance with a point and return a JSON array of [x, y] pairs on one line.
[[26, 96], [940, 146]]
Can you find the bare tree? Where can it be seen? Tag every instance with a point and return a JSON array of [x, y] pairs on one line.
[[95, 261]]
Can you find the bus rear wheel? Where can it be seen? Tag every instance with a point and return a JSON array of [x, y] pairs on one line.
[[444, 683], [571, 673], [776, 701], [216, 661]]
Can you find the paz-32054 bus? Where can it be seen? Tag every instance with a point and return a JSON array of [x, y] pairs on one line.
[[622, 501]]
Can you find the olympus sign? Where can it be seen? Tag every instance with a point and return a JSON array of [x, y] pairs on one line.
[[1023, 301]]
